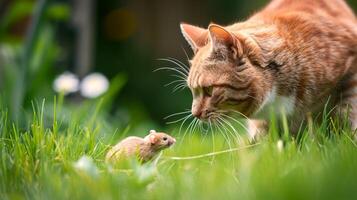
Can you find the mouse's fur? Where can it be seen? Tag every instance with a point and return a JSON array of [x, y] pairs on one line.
[[143, 148]]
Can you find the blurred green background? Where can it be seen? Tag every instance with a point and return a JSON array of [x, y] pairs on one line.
[[123, 39], [41, 39]]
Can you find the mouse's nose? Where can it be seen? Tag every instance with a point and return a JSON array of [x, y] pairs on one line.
[[171, 142]]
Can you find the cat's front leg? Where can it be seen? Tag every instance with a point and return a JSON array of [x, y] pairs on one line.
[[349, 101], [257, 128]]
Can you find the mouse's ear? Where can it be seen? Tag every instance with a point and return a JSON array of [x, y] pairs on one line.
[[152, 139], [152, 131]]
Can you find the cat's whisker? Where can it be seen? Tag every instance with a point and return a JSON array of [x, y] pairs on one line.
[[190, 125], [183, 122], [226, 129], [199, 126], [234, 111], [178, 113], [213, 136], [187, 57], [180, 67], [175, 81], [193, 127], [179, 87], [224, 134], [184, 135], [223, 113], [180, 77], [210, 124], [183, 65], [177, 63], [221, 117], [178, 120], [189, 128], [235, 120], [181, 84], [204, 127], [172, 69], [204, 137], [234, 131]]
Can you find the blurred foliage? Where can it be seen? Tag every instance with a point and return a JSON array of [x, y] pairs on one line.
[[27, 62], [29, 59], [37, 43]]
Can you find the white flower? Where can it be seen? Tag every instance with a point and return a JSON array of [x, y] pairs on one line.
[[280, 145], [94, 85], [86, 165], [66, 83]]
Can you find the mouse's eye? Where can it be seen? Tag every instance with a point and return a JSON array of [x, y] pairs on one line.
[[164, 138]]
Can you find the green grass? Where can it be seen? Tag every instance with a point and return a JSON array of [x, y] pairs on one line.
[[37, 162]]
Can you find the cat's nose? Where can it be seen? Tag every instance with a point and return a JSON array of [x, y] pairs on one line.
[[197, 113], [200, 114]]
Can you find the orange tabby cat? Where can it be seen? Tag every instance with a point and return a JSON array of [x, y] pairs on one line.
[[292, 56]]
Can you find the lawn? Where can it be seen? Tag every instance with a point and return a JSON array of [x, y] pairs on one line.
[[61, 156]]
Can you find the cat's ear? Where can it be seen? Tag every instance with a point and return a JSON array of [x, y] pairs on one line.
[[219, 35], [222, 38], [195, 36]]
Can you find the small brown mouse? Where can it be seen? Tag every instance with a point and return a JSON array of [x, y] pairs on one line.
[[144, 148]]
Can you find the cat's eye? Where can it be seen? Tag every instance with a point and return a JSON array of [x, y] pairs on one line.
[[241, 62], [208, 91]]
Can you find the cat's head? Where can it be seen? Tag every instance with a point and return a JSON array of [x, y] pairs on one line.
[[228, 72]]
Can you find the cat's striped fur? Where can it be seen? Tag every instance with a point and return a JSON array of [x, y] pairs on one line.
[[292, 55]]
